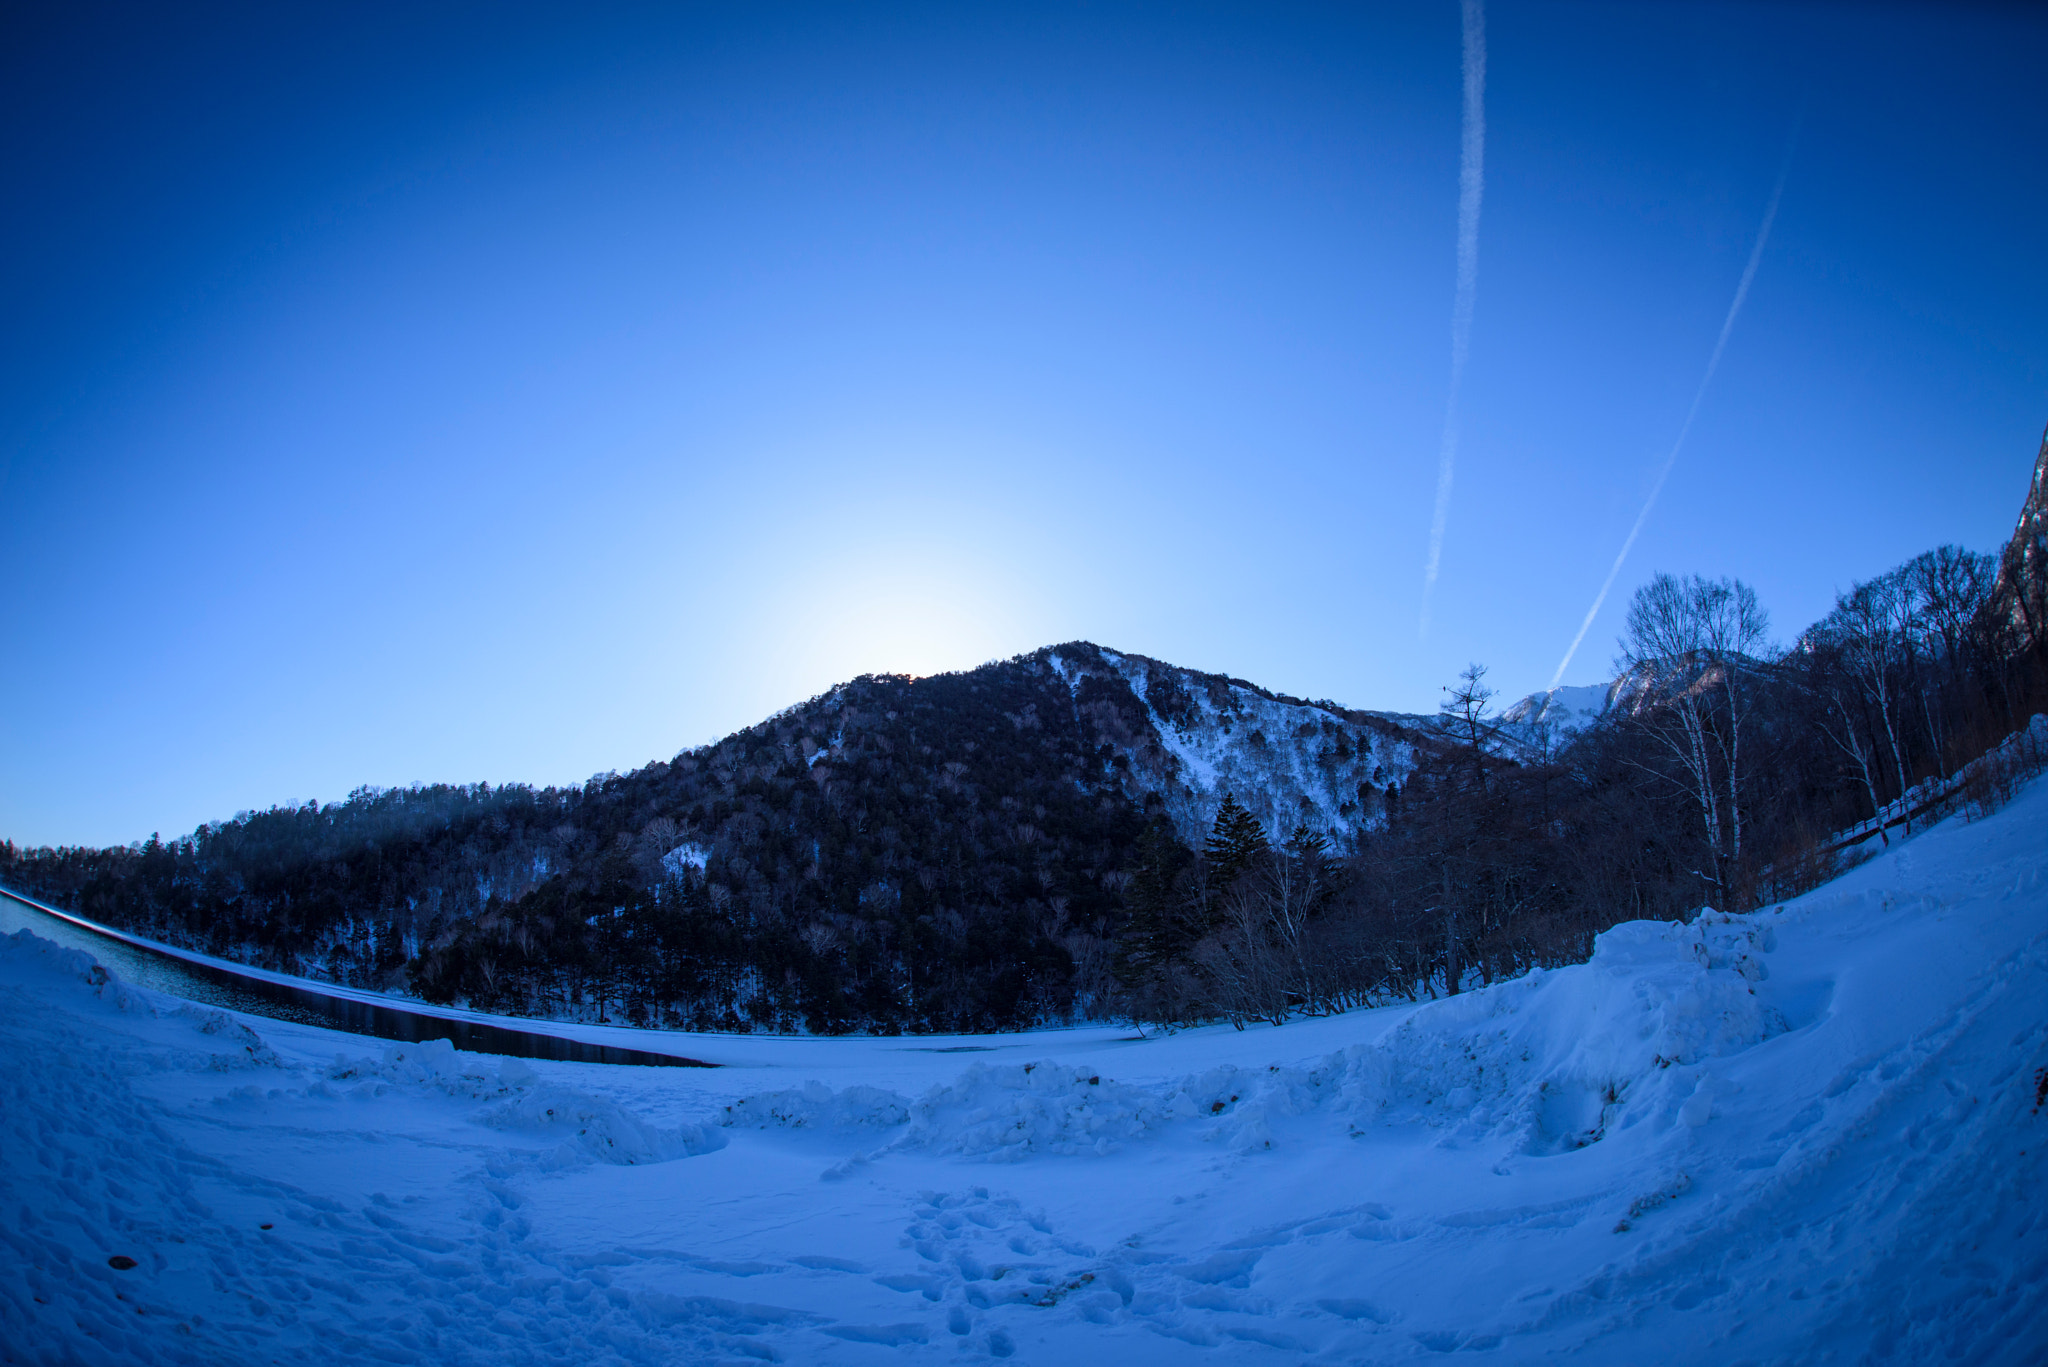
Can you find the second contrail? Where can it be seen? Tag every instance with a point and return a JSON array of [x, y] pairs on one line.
[[1471, 188], [1756, 255]]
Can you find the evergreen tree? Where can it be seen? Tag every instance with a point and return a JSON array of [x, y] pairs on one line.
[[1162, 928], [1306, 844], [1234, 842]]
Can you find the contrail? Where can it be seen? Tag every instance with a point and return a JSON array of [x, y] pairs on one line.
[[1756, 254], [1471, 186]]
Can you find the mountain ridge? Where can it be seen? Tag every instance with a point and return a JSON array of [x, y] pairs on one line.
[[949, 852]]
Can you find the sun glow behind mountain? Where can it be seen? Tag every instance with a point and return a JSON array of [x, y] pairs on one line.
[[908, 621], [899, 600]]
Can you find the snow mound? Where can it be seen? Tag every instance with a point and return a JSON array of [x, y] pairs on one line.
[[1007, 1113], [27, 958], [1003, 1113], [590, 1127], [247, 1047], [814, 1106], [1557, 1057], [1553, 1059], [434, 1064], [583, 1126]]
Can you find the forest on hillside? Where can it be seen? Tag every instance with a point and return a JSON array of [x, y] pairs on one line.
[[937, 854], [972, 851]]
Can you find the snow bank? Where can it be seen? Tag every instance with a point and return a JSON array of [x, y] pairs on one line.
[[591, 1126], [27, 958], [1555, 1058], [1011, 1112], [814, 1106], [1558, 1056], [582, 1126]]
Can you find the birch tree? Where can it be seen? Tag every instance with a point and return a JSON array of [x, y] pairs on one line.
[[1839, 726], [1690, 641], [1869, 627], [1950, 588]]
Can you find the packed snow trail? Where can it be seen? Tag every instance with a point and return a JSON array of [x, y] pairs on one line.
[[1808, 1134]]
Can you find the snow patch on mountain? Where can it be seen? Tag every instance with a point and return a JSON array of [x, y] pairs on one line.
[[1563, 712], [691, 855], [1290, 762]]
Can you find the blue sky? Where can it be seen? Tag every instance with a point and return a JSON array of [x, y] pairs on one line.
[[427, 393]]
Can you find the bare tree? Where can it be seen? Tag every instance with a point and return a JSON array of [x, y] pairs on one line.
[[1950, 587], [1839, 726], [1688, 642], [1462, 719], [1870, 627]]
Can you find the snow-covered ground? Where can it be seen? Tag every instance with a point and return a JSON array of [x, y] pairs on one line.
[[1805, 1135]]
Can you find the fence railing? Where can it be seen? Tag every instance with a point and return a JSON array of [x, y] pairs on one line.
[[2023, 752]]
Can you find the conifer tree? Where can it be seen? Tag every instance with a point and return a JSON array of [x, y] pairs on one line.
[[1160, 931], [1234, 842], [1307, 844]]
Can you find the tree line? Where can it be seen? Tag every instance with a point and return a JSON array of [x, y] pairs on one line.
[[1721, 775]]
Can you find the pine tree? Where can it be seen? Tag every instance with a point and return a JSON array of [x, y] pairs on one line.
[[1235, 841], [1307, 844], [1160, 931]]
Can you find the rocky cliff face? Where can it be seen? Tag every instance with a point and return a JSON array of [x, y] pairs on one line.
[[2021, 593]]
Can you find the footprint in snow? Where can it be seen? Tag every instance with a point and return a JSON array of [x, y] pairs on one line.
[[984, 1258]]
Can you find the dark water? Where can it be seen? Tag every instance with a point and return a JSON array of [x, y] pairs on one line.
[[308, 1005]]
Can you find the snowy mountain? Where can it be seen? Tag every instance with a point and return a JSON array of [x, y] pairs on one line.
[[1552, 717], [1812, 1133], [948, 852], [1560, 712]]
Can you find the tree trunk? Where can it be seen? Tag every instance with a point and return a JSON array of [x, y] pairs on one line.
[[1730, 682], [1454, 965], [1853, 747]]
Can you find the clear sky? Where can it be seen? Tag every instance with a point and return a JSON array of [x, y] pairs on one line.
[[431, 393]]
